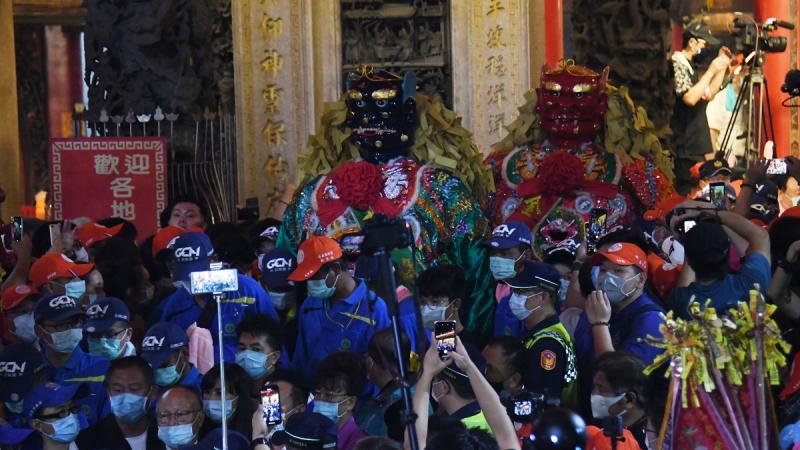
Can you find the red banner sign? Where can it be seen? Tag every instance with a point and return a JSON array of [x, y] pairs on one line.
[[109, 177]]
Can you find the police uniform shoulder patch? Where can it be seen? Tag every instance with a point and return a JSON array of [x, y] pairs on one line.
[[547, 360]]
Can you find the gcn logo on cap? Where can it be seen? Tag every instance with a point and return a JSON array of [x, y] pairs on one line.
[[96, 310], [10, 369], [278, 263], [503, 231], [187, 253], [61, 302], [152, 342]]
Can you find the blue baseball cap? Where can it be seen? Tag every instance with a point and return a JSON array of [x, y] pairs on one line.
[[105, 312], [766, 192], [19, 364], [56, 308], [536, 274], [160, 341], [213, 441], [276, 265], [192, 252], [308, 430], [509, 235], [51, 394], [13, 436]]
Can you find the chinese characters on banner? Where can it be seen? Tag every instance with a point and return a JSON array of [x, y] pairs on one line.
[[496, 68], [109, 177], [272, 66]]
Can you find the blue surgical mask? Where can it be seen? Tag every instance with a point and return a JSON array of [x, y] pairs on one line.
[[517, 304], [328, 409], [254, 363], [319, 289], [502, 268], [613, 286], [167, 376], [65, 341], [430, 314], [177, 435], [14, 407], [66, 429], [75, 289], [281, 299], [24, 328], [213, 409], [108, 348], [596, 277], [128, 407], [562, 293]]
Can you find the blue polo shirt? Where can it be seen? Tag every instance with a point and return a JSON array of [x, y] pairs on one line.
[[727, 292], [505, 323], [181, 309], [408, 324], [346, 326], [193, 379], [86, 369]]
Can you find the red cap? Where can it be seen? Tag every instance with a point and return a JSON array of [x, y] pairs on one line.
[[794, 211], [167, 234], [314, 252], [92, 233], [663, 276], [663, 207], [623, 254], [14, 295], [55, 265]]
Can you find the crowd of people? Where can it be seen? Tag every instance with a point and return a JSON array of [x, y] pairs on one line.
[[107, 343], [107, 346]]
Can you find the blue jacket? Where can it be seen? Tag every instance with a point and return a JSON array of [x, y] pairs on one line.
[[346, 326], [83, 368], [181, 309]]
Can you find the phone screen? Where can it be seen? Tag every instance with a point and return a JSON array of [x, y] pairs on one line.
[[445, 332], [688, 225], [717, 195], [595, 228], [351, 244], [523, 408], [16, 223], [776, 167], [271, 404]]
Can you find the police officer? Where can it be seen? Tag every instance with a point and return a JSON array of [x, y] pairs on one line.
[[340, 313], [509, 247], [549, 367]]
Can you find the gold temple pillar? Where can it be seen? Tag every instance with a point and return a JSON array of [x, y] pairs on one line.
[[11, 173]]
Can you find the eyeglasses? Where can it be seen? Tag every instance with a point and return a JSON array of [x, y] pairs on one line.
[[527, 292], [441, 301], [110, 334], [179, 417], [49, 327], [60, 414], [329, 396]]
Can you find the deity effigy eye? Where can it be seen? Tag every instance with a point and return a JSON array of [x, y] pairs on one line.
[[582, 88], [355, 95], [384, 94]]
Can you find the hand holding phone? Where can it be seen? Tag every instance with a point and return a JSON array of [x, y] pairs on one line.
[[271, 404], [716, 193], [445, 335], [776, 167]]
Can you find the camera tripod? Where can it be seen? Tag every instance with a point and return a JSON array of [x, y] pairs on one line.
[[753, 94]]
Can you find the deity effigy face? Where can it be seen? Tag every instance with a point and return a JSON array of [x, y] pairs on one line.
[[571, 103], [381, 112]]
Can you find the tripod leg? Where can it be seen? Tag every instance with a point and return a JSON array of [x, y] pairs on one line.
[[771, 135]]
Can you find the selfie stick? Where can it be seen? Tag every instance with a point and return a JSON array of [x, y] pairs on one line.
[[218, 298]]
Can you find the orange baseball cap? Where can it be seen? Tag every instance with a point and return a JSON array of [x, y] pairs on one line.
[[663, 276], [314, 252], [167, 234], [55, 265], [92, 233], [14, 295], [623, 254]]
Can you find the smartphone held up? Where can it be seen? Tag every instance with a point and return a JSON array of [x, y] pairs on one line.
[[445, 334]]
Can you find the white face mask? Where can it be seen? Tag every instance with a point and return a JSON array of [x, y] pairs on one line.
[[437, 395], [601, 403], [651, 439]]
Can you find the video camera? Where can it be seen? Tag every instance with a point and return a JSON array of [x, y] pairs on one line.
[[385, 233], [524, 406], [751, 35]]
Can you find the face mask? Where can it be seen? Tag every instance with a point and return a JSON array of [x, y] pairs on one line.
[[517, 304], [328, 409], [65, 341], [23, 328], [167, 376], [108, 348], [596, 276], [176, 435], [128, 407], [281, 299], [600, 405], [318, 288], [81, 255], [430, 314], [562, 293], [254, 363], [15, 407], [214, 409], [66, 429], [502, 268], [437, 395], [75, 289], [613, 287]]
